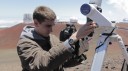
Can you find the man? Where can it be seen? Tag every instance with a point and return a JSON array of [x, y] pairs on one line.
[[41, 51]]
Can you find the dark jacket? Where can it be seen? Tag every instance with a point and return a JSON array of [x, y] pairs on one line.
[[38, 53]]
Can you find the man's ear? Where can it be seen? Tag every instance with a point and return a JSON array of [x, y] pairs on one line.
[[36, 23]]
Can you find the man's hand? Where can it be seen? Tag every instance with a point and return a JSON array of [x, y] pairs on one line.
[[84, 31]]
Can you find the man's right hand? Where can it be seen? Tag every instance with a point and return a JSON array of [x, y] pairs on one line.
[[84, 31], [81, 33]]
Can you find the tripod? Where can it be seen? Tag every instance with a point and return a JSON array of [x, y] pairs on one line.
[[102, 45]]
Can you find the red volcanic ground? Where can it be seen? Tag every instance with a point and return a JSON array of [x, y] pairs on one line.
[[10, 36]]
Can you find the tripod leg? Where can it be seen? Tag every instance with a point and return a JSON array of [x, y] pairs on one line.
[[123, 49], [100, 54], [125, 65]]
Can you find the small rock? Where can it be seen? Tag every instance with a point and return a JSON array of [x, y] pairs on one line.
[[106, 67], [113, 67]]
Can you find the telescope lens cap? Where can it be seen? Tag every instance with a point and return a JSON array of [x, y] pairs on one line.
[[85, 9]]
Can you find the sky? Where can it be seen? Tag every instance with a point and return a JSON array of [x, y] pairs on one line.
[[12, 11]]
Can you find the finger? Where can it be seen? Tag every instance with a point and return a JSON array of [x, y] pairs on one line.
[[93, 25], [89, 23], [90, 27], [90, 30], [85, 33]]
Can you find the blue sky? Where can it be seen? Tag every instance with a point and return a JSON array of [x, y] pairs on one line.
[[64, 9]]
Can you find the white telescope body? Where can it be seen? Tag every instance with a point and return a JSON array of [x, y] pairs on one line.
[[91, 12]]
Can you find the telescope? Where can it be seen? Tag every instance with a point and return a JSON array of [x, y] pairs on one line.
[[91, 12], [108, 35]]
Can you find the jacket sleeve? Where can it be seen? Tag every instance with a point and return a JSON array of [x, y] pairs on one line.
[[34, 58]]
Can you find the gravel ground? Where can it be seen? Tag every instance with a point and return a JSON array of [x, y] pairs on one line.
[[9, 61]]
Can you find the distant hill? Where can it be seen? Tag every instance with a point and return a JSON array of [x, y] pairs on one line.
[[10, 36]]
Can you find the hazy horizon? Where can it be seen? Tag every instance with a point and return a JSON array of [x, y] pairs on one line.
[[12, 11]]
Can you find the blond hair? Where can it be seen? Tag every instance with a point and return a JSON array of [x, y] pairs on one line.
[[42, 12]]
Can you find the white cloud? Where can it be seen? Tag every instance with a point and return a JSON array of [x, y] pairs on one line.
[[9, 23], [119, 4], [109, 14], [80, 20]]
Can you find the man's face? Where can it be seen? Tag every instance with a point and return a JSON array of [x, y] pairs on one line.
[[45, 28]]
